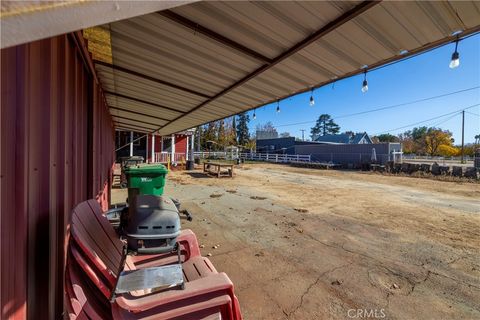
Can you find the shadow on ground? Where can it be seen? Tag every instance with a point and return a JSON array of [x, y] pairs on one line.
[[199, 175]]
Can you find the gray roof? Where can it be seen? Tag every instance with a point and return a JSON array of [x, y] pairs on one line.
[[344, 138]]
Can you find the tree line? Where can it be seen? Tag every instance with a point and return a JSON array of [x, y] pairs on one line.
[[430, 141], [216, 135]]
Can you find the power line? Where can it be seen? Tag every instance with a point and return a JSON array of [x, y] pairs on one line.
[[407, 103], [448, 119], [427, 120], [388, 107], [473, 114]]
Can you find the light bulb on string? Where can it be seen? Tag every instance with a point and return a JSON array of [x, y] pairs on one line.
[[278, 106], [312, 101], [455, 61], [365, 82], [254, 115]]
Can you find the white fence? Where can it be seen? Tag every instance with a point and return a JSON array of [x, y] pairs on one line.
[[273, 157], [212, 154], [436, 158], [166, 156]]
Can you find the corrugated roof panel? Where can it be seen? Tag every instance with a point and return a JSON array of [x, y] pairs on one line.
[[468, 11], [194, 50], [128, 91], [173, 73], [136, 117], [118, 80], [241, 21], [140, 107], [148, 55], [327, 57]]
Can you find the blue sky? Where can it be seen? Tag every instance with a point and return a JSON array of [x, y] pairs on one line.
[[420, 77]]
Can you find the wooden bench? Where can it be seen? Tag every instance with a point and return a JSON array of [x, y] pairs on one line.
[[216, 168]]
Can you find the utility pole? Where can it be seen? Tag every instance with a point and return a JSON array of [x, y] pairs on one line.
[[303, 136], [463, 134]]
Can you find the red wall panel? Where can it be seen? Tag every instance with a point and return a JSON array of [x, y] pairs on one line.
[[180, 143], [56, 150]]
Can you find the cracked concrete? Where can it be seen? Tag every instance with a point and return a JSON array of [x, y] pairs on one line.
[[362, 234]]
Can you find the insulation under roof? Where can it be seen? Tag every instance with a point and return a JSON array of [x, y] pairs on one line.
[[179, 68]]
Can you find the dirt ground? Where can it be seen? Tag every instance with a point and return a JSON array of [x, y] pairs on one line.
[[316, 244]]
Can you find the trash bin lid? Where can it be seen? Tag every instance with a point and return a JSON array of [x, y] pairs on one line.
[[147, 169]]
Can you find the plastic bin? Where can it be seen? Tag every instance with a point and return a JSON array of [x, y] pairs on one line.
[[145, 179]]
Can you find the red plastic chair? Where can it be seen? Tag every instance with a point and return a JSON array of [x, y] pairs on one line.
[[98, 253], [84, 303]]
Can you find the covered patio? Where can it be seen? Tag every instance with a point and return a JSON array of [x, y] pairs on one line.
[[73, 72]]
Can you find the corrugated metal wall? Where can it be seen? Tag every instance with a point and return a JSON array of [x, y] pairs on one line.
[[345, 154], [56, 150], [276, 145]]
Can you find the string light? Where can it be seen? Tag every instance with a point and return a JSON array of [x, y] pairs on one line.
[[254, 115], [312, 101], [278, 106], [365, 82], [455, 62]]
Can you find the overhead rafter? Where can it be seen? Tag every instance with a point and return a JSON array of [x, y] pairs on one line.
[[142, 101], [147, 77], [138, 113], [329, 27], [213, 35]]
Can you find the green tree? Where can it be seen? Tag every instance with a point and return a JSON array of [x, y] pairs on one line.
[[415, 139], [221, 139], [387, 137], [266, 127], [209, 135], [325, 125], [242, 128], [234, 131]]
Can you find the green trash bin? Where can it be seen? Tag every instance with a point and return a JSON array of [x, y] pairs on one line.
[[145, 179]]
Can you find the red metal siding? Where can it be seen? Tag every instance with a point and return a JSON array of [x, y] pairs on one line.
[[56, 150], [180, 143]]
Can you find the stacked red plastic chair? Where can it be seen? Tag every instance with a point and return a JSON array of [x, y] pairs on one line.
[[96, 258]]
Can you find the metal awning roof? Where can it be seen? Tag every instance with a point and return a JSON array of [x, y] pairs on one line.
[[179, 68]]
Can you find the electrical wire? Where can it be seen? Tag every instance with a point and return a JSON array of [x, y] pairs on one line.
[[448, 119], [428, 120], [473, 114], [386, 107]]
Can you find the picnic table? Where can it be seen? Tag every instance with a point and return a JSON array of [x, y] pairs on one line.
[[217, 169]]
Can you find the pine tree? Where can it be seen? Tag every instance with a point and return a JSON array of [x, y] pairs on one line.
[[221, 134], [242, 129], [325, 125], [234, 131], [210, 134]]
